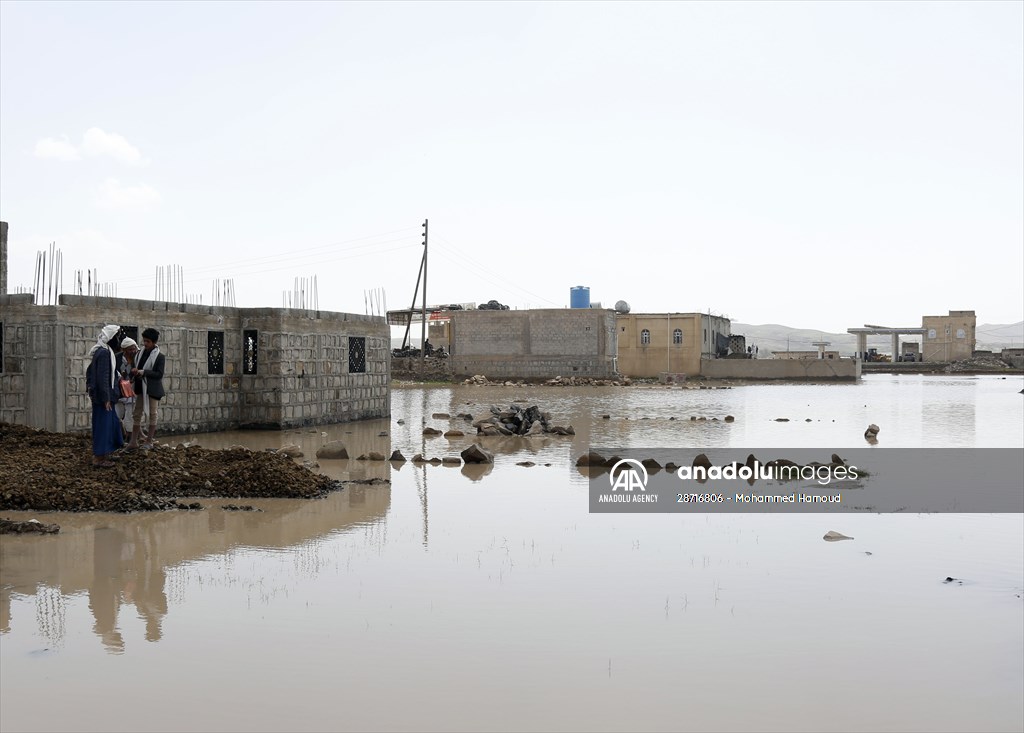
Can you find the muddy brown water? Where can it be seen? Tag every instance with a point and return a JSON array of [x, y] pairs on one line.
[[490, 599]]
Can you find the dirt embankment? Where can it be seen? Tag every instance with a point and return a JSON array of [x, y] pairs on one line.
[[52, 472]]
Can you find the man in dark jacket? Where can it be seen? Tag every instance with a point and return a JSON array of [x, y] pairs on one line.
[[101, 384], [148, 374]]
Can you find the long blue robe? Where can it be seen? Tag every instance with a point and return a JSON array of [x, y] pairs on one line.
[[106, 428]]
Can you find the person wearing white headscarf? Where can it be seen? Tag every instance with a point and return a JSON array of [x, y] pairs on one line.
[[125, 405], [101, 383]]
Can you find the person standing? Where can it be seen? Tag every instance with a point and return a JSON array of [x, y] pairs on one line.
[[125, 406], [101, 383], [148, 374]]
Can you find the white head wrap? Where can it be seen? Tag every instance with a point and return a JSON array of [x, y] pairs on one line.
[[129, 343], [107, 333]]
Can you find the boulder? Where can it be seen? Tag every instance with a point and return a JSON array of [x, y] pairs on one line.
[[333, 449], [833, 536], [454, 434], [476, 454], [431, 431], [397, 457], [375, 456], [593, 458], [291, 450]]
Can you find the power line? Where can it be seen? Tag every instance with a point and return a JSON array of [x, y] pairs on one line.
[[468, 261]]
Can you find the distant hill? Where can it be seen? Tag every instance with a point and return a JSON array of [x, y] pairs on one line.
[[774, 337], [994, 336], [771, 337]]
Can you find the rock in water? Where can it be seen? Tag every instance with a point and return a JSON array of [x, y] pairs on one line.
[[833, 536], [476, 454], [333, 449]]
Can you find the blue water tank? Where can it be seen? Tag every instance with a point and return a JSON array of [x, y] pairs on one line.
[[579, 297]]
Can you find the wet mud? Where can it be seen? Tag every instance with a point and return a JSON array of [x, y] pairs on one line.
[[44, 471]]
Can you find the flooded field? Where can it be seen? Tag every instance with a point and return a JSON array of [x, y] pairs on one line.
[[464, 598]]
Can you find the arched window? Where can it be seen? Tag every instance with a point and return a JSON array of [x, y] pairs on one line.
[[645, 337], [677, 336]]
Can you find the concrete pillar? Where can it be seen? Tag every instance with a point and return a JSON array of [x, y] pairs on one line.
[[862, 345], [895, 347]]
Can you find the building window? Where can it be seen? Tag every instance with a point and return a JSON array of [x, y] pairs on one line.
[[645, 337], [705, 335], [356, 354], [132, 332], [250, 354], [677, 336], [214, 352]]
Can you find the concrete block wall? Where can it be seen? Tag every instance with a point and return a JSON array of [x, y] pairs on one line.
[[305, 369], [302, 368], [844, 370], [533, 344]]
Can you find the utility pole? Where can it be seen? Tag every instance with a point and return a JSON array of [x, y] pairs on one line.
[[423, 331]]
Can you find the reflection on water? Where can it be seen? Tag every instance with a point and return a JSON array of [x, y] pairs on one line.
[[486, 597], [124, 560]]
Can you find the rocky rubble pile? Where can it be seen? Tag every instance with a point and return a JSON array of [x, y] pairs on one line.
[[515, 420], [587, 382], [481, 380], [993, 363], [45, 471]]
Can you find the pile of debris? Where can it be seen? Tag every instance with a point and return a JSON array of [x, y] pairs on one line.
[[587, 382], [492, 305], [978, 363], [480, 380], [518, 421], [45, 471]]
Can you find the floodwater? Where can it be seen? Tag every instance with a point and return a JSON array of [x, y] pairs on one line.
[[458, 599]]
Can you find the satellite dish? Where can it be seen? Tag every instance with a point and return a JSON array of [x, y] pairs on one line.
[[621, 306]]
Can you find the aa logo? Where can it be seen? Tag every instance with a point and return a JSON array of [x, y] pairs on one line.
[[628, 474]]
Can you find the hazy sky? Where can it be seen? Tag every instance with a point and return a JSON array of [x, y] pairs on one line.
[[821, 165]]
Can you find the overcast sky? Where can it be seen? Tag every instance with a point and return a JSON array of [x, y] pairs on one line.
[[821, 165]]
